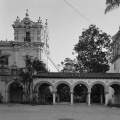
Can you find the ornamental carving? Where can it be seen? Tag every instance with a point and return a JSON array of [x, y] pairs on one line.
[[89, 81], [53, 81], [107, 81], [71, 81]]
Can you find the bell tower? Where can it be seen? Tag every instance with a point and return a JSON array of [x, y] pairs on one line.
[[31, 37], [29, 31]]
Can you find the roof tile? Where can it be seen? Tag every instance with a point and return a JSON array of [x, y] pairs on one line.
[[79, 75]]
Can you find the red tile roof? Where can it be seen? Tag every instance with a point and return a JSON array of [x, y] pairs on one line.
[[78, 75]]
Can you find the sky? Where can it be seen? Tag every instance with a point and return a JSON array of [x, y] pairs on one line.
[[65, 24]]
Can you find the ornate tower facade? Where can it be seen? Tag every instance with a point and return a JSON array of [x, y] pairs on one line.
[[30, 38]]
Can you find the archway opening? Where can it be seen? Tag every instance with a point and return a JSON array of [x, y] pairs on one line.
[[80, 93], [114, 94], [63, 93], [15, 93], [45, 93], [98, 94]]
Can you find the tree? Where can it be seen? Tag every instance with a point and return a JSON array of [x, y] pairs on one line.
[[111, 4], [92, 49], [32, 67], [39, 66], [69, 65]]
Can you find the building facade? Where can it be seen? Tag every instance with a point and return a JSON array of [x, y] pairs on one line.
[[31, 38]]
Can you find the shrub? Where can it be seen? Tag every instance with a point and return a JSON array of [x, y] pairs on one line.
[[110, 104]]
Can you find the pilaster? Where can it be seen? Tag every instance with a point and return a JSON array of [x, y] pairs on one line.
[[106, 98], [16, 55]]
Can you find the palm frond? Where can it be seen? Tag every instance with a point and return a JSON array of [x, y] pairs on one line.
[[112, 5], [109, 1]]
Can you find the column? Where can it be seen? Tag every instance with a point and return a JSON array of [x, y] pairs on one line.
[[15, 54], [106, 98], [39, 50], [54, 97], [38, 53], [71, 98], [89, 97]]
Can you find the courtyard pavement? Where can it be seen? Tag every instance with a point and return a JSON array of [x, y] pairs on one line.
[[58, 112]]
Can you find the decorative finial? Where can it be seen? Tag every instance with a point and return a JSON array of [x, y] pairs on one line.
[[39, 19], [18, 19], [27, 13], [46, 22], [41, 22]]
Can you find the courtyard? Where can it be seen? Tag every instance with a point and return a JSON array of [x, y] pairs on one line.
[[58, 112]]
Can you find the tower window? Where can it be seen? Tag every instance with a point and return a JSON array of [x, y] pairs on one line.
[[4, 60], [28, 39], [115, 65]]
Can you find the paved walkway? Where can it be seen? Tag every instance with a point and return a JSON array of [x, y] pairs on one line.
[[58, 112]]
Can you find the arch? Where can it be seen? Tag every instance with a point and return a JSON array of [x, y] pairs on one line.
[[81, 82], [112, 83], [62, 82], [101, 83], [80, 90], [8, 85], [14, 94], [43, 91], [114, 90], [42, 82]]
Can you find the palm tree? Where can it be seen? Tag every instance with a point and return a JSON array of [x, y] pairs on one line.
[[39, 66], [111, 4], [32, 67]]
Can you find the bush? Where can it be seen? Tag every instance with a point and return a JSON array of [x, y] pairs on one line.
[[36, 101], [113, 105]]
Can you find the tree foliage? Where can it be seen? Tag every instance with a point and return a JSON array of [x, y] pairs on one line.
[[32, 67], [92, 49], [69, 65], [111, 4]]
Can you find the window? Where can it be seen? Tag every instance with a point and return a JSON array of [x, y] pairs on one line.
[[27, 37], [4, 60], [14, 72], [115, 65]]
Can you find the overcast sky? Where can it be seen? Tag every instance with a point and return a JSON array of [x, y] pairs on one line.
[[65, 24]]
